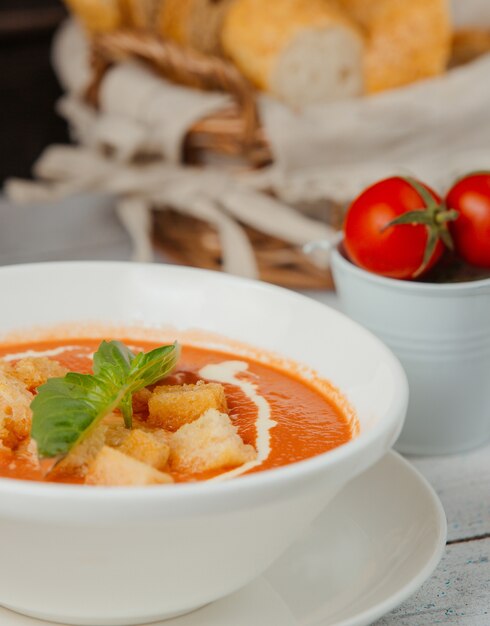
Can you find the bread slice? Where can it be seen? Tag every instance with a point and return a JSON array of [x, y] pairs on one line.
[[195, 24], [406, 40], [302, 52]]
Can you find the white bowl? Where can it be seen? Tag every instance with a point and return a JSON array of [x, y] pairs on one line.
[[117, 556], [441, 334]]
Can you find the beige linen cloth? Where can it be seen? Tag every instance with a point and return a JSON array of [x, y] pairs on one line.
[[140, 115], [435, 130]]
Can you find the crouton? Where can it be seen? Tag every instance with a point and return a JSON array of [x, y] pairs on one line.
[[140, 400], [15, 411], [82, 454], [27, 453], [34, 372], [115, 430], [151, 448], [112, 468], [172, 406], [209, 443]]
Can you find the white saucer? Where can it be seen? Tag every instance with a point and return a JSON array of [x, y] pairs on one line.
[[375, 544]]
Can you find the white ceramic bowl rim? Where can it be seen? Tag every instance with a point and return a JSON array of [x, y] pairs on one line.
[[467, 288], [266, 479]]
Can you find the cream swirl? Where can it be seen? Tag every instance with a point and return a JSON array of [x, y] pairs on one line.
[[228, 372]]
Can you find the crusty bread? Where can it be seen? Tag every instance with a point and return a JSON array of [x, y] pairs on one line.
[[469, 44], [406, 40], [303, 52], [97, 16], [195, 24], [141, 14]]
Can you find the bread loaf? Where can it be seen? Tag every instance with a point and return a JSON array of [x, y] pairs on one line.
[[469, 44], [141, 14], [194, 23], [97, 16], [302, 52], [406, 40]]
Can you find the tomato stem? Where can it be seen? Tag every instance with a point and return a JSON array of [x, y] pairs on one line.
[[444, 216], [433, 215]]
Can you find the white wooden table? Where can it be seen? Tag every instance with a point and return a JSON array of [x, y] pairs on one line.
[[459, 591]]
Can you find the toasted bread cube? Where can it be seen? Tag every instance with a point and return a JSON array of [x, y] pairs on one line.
[[112, 468], [15, 411], [151, 448], [35, 371], [116, 431], [172, 406], [209, 443], [140, 400], [82, 454]]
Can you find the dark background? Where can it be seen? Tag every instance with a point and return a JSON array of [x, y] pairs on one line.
[[28, 87]]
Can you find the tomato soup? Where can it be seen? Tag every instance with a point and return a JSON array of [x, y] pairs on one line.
[[285, 417]]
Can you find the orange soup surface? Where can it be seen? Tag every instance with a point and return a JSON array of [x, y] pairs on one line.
[[307, 421]]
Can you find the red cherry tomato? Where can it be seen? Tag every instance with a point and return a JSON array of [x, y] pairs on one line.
[[405, 250], [470, 196]]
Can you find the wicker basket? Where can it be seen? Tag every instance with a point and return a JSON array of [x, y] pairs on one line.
[[190, 241], [234, 132]]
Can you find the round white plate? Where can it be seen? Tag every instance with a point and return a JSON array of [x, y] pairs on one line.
[[374, 545]]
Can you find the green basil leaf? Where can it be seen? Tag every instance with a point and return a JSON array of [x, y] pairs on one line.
[[149, 367], [65, 409], [114, 356], [112, 363]]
